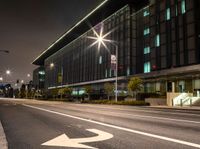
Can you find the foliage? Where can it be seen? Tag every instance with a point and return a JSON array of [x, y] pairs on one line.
[[111, 102], [109, 89], [135, 84], [68, 91], [22, 91], [54, 92], [88, 89], [65, 91]]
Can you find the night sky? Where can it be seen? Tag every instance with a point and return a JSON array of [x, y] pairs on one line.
[[28, 27]]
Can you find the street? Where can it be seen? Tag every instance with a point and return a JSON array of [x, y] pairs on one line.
[[31, 124]]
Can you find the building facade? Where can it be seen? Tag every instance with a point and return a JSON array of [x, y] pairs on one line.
[[158, 40], [39, 78]]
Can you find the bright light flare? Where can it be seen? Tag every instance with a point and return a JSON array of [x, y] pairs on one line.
[[1, 78], [8, 72], [51, 65], [100, 38]]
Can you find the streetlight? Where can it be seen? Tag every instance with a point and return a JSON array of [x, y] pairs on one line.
[[22, 81], [8, 72], [100, 39], [51, 65]]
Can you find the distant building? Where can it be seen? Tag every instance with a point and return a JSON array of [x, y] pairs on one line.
[[38, 78], [158, 40]]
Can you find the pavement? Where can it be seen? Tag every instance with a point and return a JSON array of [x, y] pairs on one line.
[[31, 124]]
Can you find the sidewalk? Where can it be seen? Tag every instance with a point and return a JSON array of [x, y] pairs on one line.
[[193, 108], [3, 141]]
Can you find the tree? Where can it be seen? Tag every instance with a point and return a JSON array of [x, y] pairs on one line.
[[61, 92], [88, 90], [109, 89], [68, 91], [23, 91], [135, 85], [54, 92]]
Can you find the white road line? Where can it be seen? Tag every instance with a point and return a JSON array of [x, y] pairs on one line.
[[3, 141], [121, 128], [139, 116], [159, 118], [141, 110]]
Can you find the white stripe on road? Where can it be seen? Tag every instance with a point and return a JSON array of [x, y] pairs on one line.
[[121, 128], [158, 111], [3, 141], [159, 118], [132, 116]]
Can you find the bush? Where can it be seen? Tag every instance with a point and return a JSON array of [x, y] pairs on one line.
[[112, 102]]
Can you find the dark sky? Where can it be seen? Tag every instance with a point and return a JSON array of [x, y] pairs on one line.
[[27, 27]]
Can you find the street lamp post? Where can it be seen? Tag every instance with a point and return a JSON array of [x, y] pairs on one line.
[[100, 40], [116, 79]]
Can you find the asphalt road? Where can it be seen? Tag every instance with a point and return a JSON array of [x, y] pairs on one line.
[[52, 125]]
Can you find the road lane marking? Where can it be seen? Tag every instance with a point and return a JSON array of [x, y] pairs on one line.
[[120, 128], [64, 141], [3, 141], [155, 117], [158, 111], [139, 116]]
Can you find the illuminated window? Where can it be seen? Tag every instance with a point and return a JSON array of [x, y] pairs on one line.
[[157, 41], [110, 72], [41, 72], [100, 59], [168, 15], [183, 7], [176, 10], [128, 71], [146, 31], [146, 50], [147, 67], [146, 13]]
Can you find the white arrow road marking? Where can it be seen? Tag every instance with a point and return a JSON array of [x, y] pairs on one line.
[[65, 141], [120, 128]]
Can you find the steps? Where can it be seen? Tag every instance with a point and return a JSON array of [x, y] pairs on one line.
[[185, 99]]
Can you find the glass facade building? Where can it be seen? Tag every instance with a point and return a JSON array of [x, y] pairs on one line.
[[157, 40]]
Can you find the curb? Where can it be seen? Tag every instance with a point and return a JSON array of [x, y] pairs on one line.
[[3, 141], [176, 108]]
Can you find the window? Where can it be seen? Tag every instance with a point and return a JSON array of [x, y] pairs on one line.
[[100, 59], [147, 67], [168, 15], [176, 10], [146, 50], [183, 7], [146, 31], [106, 73], [128, 71], [146, 13], [157, 41]]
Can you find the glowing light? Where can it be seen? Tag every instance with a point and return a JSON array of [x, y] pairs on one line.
[[100, 38], [28, 75], [22, 81], [1, 78], [51, 65], [7, 72]]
